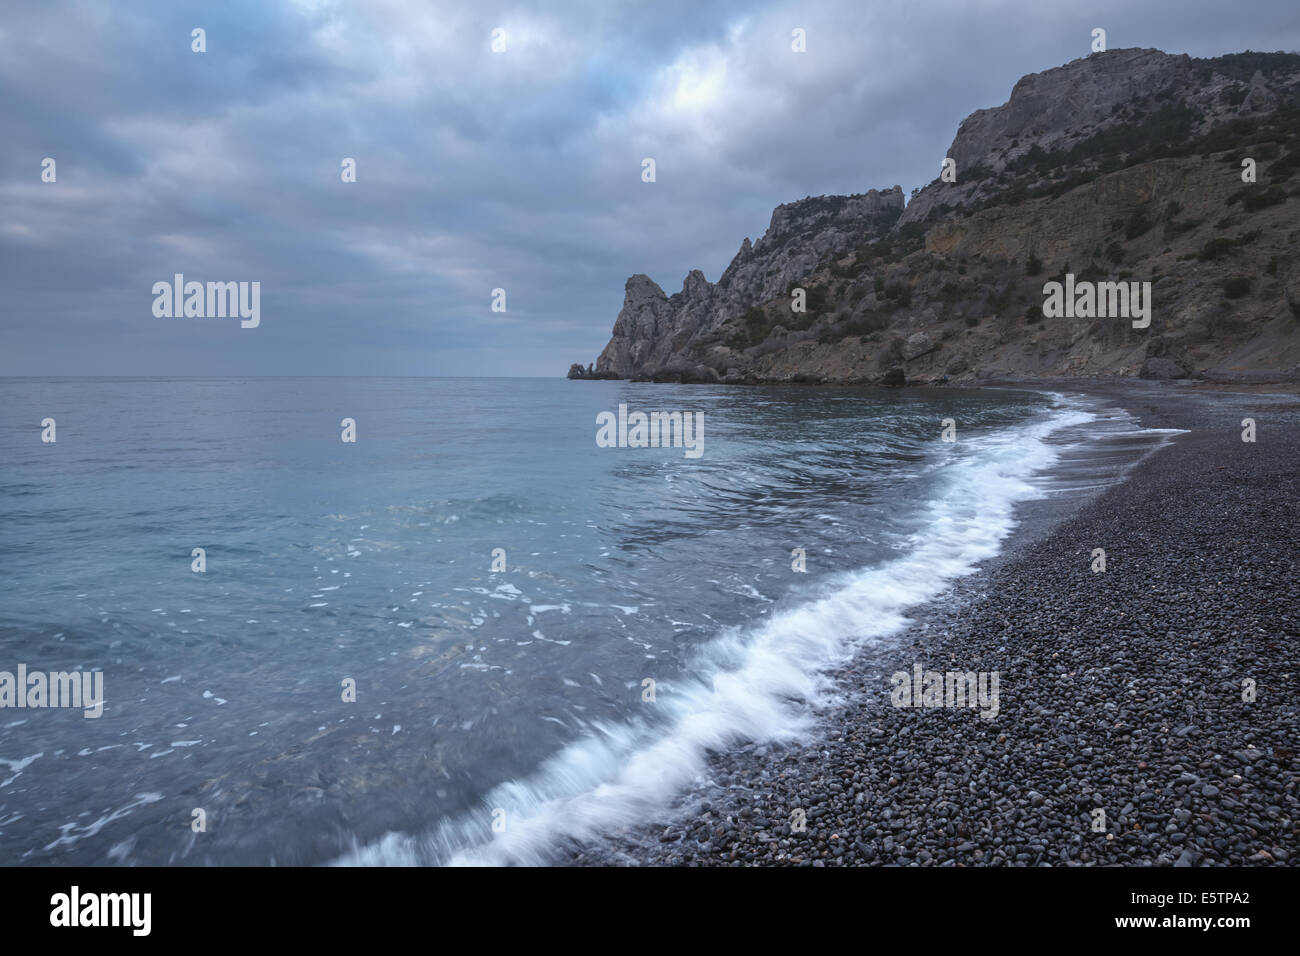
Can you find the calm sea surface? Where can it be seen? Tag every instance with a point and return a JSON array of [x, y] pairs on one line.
[[518, 696]]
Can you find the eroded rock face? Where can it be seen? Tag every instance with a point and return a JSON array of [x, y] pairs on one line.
[[640, 338], [1055, 109], [1115, 165], [653, 327], [1065, 107]]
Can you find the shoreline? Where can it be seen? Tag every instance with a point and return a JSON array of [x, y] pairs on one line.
[[1120, 691]]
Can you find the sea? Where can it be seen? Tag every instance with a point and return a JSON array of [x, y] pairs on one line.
[[474, 634]]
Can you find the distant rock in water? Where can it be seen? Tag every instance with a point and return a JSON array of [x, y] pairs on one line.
[[577, 371], [1121, 167]]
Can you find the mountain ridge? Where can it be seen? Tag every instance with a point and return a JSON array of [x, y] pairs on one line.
[[1120, 166]]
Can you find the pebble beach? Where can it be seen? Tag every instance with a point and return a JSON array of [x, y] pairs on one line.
[[1148, 713]]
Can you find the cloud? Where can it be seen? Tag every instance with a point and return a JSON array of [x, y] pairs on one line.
[[475, 169]]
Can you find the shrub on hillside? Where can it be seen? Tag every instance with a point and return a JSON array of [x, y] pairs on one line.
[[1234, 287], [1253, 199], [1137, 224]]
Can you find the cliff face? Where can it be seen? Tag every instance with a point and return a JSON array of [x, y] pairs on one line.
[[662, 336], [1124, 166]]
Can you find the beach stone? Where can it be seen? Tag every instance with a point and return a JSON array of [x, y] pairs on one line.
[[1126, 686]]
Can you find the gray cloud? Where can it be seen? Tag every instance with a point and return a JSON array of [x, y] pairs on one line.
[[475, 169]]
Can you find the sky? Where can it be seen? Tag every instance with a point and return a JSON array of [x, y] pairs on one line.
[[476, 168]]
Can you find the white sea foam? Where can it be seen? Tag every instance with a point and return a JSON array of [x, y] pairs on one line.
[[761, 682]]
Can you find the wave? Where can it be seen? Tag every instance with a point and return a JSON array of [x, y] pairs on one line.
[[761, 682]]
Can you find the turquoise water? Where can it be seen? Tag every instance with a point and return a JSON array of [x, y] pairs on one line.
[[477, 690]]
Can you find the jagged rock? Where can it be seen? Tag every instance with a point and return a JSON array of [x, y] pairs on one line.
[[652, 328], [638, 341], [588, 373]]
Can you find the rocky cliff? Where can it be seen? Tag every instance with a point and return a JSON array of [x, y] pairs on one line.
[[1122, 166]]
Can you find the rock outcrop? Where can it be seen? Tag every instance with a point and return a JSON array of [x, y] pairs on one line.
[[1123, 166], [657, 335], [577, 371]]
